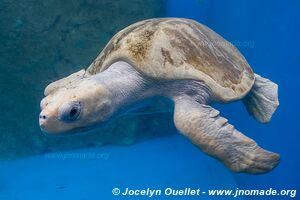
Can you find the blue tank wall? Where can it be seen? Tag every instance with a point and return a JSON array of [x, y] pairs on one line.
[[59, 38], [267, 33], [43, 41]]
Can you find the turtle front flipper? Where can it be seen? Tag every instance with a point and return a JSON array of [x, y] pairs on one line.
[[211, 133]]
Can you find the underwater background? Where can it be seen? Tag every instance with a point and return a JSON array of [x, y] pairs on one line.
[[42, 41]]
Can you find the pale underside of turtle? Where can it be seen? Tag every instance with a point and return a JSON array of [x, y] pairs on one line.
[[178, 50]]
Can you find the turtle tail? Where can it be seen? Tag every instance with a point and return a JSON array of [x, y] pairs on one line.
[[262, 100]]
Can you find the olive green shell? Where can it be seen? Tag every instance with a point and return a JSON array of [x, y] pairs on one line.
[[173, 48]]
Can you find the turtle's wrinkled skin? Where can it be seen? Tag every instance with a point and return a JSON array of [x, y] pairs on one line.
[[180, 59]]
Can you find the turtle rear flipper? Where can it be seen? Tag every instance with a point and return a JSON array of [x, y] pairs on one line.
[[216, 137], [262, 100]]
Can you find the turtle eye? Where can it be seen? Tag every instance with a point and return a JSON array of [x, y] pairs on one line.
[[69, 111]]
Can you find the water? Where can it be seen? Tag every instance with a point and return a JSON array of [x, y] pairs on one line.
[[42, 42]]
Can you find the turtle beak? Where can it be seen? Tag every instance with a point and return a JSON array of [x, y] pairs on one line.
[[48, 117], [49, 123], [43, 119]]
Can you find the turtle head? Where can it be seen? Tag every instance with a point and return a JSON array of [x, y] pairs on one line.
[[77, 108]]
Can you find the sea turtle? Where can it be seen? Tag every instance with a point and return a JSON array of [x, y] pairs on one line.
[[176, 58]]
